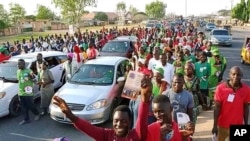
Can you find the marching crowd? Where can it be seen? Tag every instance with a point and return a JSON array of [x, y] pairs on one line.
[[182, 72]]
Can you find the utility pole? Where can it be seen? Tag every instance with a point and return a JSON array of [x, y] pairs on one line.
[[185, 8], [232, 2]]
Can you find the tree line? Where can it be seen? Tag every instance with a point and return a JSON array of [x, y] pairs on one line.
[[17, 13]]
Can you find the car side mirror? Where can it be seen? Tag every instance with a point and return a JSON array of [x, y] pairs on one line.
[[121, 79]]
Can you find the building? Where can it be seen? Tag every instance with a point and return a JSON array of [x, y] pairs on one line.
[[41, 25], [88, 19]]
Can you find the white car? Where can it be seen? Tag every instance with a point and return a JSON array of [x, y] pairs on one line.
[[9, 103], [93, 91]]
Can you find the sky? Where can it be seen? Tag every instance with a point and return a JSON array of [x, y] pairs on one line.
[[194, 7]]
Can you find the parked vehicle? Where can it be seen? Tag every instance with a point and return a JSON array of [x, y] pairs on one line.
[[9, 103], [245, 51], [118, 47], [93, 91]]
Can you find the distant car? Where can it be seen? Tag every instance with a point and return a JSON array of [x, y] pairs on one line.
[[210, 26], [221, 37], [118, 47], [93, 91], [132, 38], [150, 25], [9, 103]]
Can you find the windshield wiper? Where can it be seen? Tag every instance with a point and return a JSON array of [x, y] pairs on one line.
[[88, 83]]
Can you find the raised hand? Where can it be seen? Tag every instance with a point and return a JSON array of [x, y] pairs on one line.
[[62, 105], [146, 88]]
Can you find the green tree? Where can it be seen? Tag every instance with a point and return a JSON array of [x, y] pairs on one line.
[[72, 10], [44, 12], [17, 12], [101, 16], [242, 11], [133, 10], [156, 9], [32, 17]]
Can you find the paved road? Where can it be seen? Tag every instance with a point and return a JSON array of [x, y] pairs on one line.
[[46, 129], [205, 120]]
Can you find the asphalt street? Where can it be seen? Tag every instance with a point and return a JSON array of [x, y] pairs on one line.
[[46, 129]]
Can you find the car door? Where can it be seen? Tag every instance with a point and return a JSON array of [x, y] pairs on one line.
[[56, 69], [120, 72]]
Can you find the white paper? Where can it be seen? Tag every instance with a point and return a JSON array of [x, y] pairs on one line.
[[182, 118]]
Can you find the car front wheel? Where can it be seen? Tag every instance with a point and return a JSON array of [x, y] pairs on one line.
[[15, 106]]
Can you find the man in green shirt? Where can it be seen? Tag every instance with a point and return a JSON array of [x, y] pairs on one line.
[[25, 78]]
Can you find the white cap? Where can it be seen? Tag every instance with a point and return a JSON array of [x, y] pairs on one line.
[[188, 48]]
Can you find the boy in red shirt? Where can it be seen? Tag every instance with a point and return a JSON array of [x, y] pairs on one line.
[[165, 129]]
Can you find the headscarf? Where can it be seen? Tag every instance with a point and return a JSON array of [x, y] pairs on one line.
[[77, 51]]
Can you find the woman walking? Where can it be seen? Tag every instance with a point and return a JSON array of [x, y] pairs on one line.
[[46, 81]]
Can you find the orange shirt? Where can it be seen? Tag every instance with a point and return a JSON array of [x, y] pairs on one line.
[[232, 110]]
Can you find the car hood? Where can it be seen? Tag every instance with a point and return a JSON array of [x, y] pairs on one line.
[[222, 37], [83, 94]]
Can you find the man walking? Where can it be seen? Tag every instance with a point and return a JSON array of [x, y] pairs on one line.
[[231, 104], [25, 78]]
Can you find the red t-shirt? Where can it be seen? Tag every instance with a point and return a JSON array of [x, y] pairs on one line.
[[232, 111], [108, 134], [154, 132], [144, 70]]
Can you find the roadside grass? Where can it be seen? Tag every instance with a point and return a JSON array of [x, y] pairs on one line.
[[27, 35]]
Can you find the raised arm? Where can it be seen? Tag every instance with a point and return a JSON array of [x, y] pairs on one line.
[[141, 124], [95, 132]]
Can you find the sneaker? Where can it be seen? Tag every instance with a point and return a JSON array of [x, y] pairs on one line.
[[24, 122], [37, 117]]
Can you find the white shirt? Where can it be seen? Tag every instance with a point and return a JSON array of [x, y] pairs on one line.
[[168, 73], [153, 63]]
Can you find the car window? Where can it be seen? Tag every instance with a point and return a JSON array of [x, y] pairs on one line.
[[118, 47], [220, 32], [52, 62], [211, 24], [62, 58], [33, 67]]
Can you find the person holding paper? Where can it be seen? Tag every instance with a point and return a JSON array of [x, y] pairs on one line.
[[231, 104]]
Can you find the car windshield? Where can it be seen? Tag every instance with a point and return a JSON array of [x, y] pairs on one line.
[[94, 74], [220, 32], [118, 47], [211, 24]]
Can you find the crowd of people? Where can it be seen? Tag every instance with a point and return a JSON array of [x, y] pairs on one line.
[[182, 70]]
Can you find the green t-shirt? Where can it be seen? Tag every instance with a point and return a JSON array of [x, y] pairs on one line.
[[203, 71], [25, 83], [190, 58], [179, 68], [155, 89]]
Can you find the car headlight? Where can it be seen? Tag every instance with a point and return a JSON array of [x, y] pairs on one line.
[[2, 94], [97, 105], [214, 39]]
